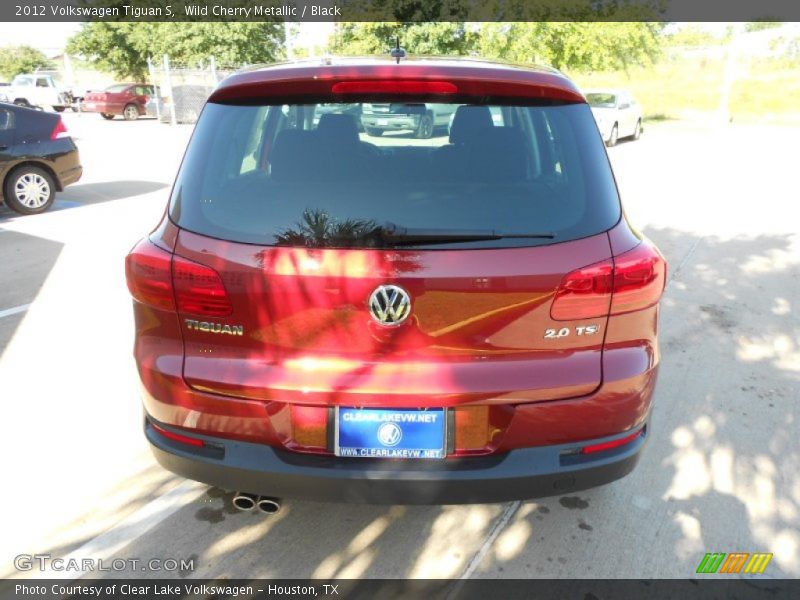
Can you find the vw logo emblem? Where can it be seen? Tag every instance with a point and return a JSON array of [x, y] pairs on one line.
[[390, 434], [389, 305]]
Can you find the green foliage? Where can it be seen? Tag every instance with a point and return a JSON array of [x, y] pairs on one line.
[[21, 59], [419, 39], [123, 48], [576, 46], [761, 25], [692, 35], [573, 46]]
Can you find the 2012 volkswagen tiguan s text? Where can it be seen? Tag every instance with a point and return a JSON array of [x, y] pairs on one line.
[[330, 315]]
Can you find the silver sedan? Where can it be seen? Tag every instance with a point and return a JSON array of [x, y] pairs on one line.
[[617, 113]]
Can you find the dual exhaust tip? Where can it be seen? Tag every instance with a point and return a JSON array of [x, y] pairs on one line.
[[245, 502]]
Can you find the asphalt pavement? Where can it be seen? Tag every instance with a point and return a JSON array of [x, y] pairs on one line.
[[721, 472]]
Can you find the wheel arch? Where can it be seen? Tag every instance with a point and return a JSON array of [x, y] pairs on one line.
[[34, 163]]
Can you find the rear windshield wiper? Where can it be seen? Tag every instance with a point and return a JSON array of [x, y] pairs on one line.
[[407, 236]]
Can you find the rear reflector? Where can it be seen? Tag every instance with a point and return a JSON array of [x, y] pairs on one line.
[[612, 444], [631, 281], [199, 289], [177, 437], [394, 87], [59, 131], [159, 279]]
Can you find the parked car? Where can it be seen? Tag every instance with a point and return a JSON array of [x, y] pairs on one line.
[[37, 158], [421, 119], [127, 99], [617, 113], [338, 108], [321, 317], [37, 90]]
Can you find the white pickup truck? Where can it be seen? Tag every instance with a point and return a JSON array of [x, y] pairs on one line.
[[37, 90]]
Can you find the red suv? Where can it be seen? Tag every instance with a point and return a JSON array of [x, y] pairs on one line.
[[331, 315]]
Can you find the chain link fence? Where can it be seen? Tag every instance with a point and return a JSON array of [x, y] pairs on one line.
[[182, 89]]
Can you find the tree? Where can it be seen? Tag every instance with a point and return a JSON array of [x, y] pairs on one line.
[[573, 46], [21, 59], [123, 48], [441, 38], [761, 25]]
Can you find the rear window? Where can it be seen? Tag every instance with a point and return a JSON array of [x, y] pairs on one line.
[[116, 89], [331, 175]]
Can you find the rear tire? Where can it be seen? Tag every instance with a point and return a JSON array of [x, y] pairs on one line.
[[374, 132], [424, 128], [29, 190], [107, 116], [59, 109], [637, 133], [612, 139], [130, 112]]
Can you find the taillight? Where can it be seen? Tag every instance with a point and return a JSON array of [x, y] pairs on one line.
[[159, 279], [639, 279], [393, 86], [584, 293], [631, 281], [148, 271], [199, 289], [59, 131]]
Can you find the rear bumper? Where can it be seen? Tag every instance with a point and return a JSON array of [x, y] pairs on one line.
[[387, 122], [516, 475], [95, 106]]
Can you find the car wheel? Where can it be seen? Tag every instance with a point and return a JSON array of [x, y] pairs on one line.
[[612, 139], [22, 102], [374, 132], [59, 109], [637, 133], [29, 190], [107, 116], [130, 112], [424, 128]]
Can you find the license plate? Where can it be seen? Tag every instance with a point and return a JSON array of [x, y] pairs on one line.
[[390, 433], [383, 121]]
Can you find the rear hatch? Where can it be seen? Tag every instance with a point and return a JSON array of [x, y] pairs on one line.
[[290, 224]]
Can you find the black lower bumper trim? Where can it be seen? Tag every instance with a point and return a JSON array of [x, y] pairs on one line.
[[517, 475]]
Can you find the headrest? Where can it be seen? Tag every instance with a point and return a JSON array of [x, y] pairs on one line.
[[470, 124], [290, 152], [338, 128]]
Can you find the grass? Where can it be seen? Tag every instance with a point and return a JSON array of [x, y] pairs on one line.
[[764, 90]]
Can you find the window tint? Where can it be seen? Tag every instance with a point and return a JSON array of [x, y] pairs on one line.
[[42, 82], [116, 89], [330, 174]]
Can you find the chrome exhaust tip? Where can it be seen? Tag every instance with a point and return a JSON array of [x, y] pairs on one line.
[[243, 501], [269, 505]]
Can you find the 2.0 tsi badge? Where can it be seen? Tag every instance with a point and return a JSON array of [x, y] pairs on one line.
[[389, 305]]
